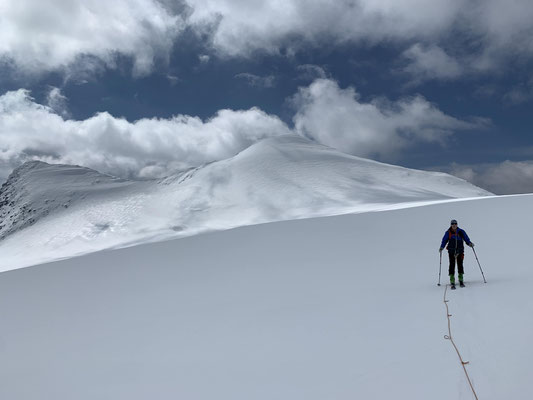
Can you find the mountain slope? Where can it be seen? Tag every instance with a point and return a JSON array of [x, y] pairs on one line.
[[341, 307], [36, 189], [290, 177], [275, 179]]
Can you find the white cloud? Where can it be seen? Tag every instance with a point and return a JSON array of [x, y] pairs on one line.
[[53, 35], [57, 102], [310, 72], [173, 80], [338, 118], [244, 26], [204, 59], [508, 177], [430, 62], [32, 131], [154, 147], [495, 28], [86, 34], [504, 28], [256, 80], [520, 93]]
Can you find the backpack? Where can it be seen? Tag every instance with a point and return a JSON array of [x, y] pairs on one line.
[[458, 231]]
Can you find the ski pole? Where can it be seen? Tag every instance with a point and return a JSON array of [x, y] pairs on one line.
[[440, 266], [484, 280]]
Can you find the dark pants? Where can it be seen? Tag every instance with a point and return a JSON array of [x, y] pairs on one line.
[[460, 258]]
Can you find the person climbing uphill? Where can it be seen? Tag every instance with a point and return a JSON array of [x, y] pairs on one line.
[[456, 250]]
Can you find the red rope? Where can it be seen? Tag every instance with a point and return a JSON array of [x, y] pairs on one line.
[[450, 338]]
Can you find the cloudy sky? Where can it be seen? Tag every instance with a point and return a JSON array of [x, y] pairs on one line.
[[145, 88]]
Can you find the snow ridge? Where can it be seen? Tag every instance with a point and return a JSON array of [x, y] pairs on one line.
[[36, 189], [61, 211]]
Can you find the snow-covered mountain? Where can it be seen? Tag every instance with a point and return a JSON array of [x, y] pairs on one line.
[[36, 189], [339, 307], [343, 308], [58, 211]]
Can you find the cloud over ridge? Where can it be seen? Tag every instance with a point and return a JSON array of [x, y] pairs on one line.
[[338, 118], [154, 147], [145, 148]]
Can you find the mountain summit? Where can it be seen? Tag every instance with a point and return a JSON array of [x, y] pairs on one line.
[[64, 210]]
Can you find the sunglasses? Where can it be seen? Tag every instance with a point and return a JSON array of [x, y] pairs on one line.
[[454, 224]]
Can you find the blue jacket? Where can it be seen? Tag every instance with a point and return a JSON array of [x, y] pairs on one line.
[[455, 240]]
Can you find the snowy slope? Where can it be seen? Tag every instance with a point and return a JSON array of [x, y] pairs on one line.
[[37, 189], [342, 307], [68, 210]]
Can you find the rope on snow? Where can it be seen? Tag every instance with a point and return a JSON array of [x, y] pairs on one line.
[[450, 338]]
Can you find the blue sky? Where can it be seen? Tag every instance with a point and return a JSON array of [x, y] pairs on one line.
[[145, 88]]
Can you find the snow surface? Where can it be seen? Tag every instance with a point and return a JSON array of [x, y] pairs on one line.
[[342, 307], [51, 212]]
